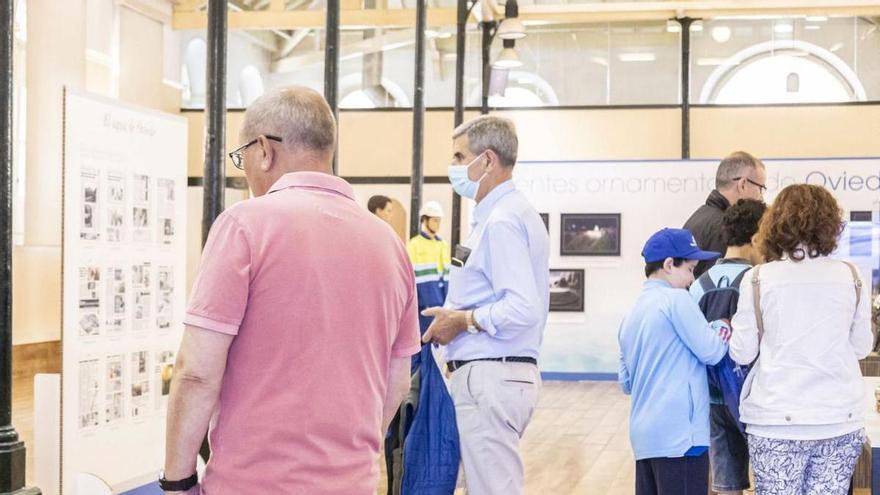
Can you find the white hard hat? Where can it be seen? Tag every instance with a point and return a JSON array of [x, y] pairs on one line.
[[431, 209]]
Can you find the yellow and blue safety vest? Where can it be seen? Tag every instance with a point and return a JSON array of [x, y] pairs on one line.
[[431, 260]]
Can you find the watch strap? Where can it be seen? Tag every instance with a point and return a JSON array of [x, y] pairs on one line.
[[471, 322], [178, 485]]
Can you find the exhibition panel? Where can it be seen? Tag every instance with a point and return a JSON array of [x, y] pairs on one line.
[[123, 286], [601, 213]]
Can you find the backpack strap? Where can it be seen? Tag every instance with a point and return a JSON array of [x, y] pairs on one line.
[[737, 282], [706, 282], [756, 299], [857, 284]]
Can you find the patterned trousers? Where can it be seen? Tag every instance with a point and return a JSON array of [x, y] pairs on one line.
[[805, 467]]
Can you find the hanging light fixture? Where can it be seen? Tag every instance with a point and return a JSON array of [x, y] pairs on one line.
[[508, 58], [511, 28]]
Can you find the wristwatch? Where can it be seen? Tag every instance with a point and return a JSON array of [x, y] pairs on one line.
[[179, 485], [471, 323]]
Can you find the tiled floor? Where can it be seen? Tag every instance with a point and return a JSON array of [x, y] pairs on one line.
[[577, 442]]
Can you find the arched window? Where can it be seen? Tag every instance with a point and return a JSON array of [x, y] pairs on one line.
[[186, 87], [516, 97], [354, 95], [357, 99], [250, 85], [783, 72], [195, 60], [523, 89]]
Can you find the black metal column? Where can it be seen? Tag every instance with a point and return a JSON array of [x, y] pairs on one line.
[[331, 68], [685, 86], [418, 173], [215, 115], [12, 450], [460, 50], [488, 34]]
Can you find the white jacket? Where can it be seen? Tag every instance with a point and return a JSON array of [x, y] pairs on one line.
[[808, 371]]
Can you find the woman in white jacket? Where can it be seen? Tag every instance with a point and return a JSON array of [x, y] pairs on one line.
[[803, 401]]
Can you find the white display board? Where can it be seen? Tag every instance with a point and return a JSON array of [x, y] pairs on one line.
[[649, 196], [124, 278]]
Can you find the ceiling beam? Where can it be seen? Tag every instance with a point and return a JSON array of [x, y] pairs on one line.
[[263, 39], [578, 13], [570, 13], [158, 10], [188, 5], [314, 19], [382, 43], [294, 41]]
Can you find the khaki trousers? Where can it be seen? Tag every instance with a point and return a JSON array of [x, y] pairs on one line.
[[494, 402]]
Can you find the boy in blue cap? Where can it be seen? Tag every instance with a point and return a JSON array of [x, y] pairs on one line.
[[665, 345]]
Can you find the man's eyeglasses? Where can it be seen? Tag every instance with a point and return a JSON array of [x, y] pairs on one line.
[[236, 154], [762, 187]]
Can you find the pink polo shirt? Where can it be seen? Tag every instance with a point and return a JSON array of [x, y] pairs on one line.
[[320, 295]]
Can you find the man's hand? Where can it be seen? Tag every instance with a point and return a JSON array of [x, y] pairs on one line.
[[447, 324]]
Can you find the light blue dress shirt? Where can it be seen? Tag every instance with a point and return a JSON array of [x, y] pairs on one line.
[[506, 279], [665, 345]]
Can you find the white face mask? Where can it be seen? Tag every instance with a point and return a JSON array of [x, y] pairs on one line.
[[461, 183]]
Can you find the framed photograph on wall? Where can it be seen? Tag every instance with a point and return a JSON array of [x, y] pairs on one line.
[[546, 218], [567, 290], [590, 234]]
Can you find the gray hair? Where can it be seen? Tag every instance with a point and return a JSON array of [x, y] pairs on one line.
[[491, 133], [736, 165], [298, 115]]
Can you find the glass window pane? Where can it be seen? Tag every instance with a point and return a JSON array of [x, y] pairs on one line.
[[785, 60]]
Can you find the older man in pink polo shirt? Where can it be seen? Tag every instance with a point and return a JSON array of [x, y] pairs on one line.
[[300, 325]]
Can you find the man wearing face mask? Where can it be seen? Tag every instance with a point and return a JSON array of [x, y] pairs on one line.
[[494, 315]]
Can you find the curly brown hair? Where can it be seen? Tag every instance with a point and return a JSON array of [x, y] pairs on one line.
[[805, 220]]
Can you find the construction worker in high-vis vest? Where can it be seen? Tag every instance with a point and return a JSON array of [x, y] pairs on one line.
[[413, 462], [429, 255]]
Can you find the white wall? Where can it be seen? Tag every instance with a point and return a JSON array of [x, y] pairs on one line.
[[77, 44], [650, 196]]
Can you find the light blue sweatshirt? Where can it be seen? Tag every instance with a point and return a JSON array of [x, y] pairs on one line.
[[665, 345]]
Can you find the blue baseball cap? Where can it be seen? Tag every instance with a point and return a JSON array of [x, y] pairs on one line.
[[675, 243]]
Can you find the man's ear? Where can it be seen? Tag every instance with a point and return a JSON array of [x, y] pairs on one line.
[[668, 264], [492, 160], [741, 186], [267, 154]]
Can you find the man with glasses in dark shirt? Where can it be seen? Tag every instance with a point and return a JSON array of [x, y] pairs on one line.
[[739, 176]]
